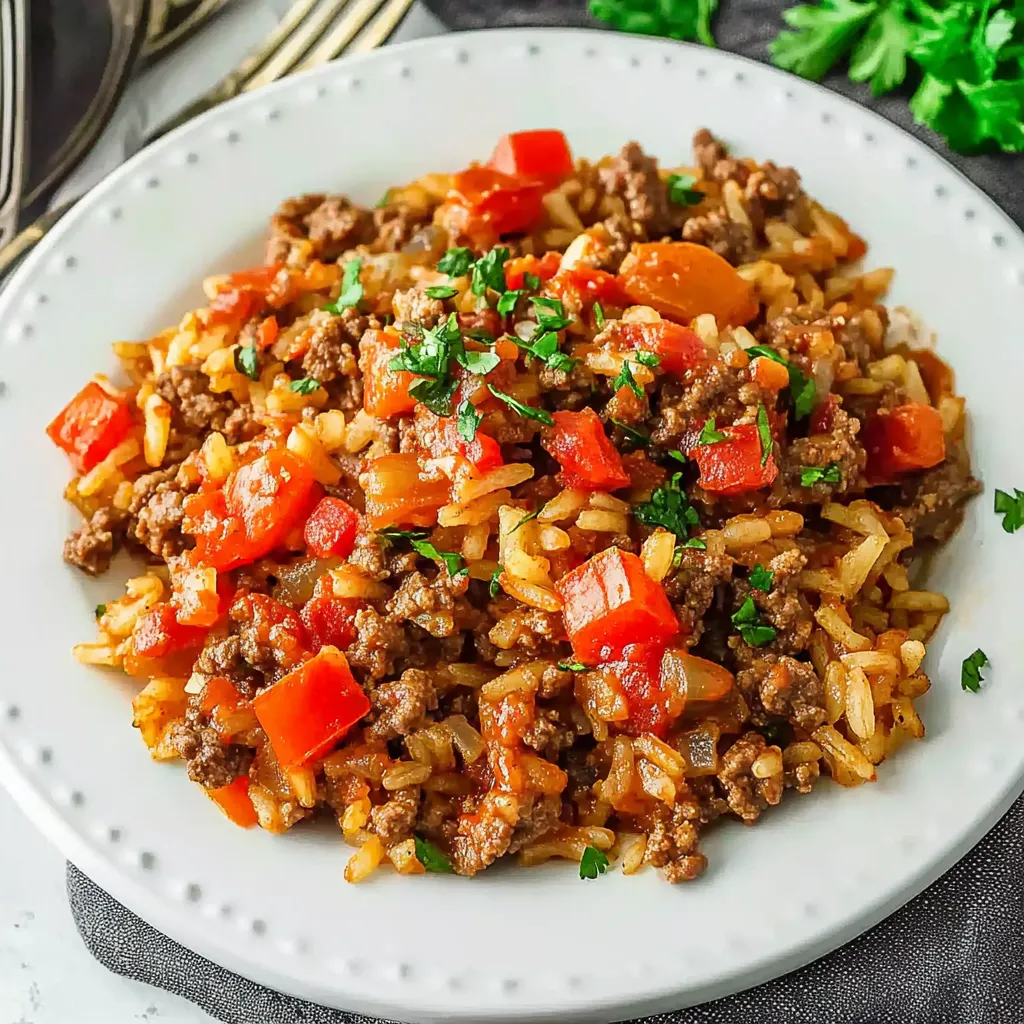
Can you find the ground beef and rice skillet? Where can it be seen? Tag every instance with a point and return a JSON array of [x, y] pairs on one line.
[[549, 508]]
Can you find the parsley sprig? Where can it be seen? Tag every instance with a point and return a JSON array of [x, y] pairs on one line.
[[351, 288], [432, 857], [528, 412], [709, 433], [801, 388], [593, 863], [669, 507], [970, 672], [747, 621], [811, 475], [452, 562], [681, 191], [1011, 508], [677, 19], [761, 578]]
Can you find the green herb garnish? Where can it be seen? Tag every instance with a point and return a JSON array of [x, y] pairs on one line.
[[101, 610], [432, 858], [384, 199], [593, 863], [709, 434], [625, 379], [441, 291], [668, 507], [764, 432], [525, 519], [456, 262], [651, 359], [528, 412], [598, 316], [970, 672], [677, 19], [550, 313], [1011, 509], [467, 419], [681, 190], [675, 453], [748, 622], [695, 543], [247, 361], [572, 666], [508, 300], [351, 289], [305, 386], [761, 578], [390, 535], [802, 390], [452, 561], [811, 475], [495, 586], [489, 271], [545, 348], [637, 437]]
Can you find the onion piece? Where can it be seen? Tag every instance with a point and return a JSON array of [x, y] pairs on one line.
[[295, 581], [697, 678]]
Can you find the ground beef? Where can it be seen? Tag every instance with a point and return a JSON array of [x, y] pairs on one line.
[[400, 706], [336, 225], [480, 842], [209, 761], [332, 346], [530, 628], [733, 242], [288, 229], [784, 606], [775, 192], [780, 686], [548, 734], [535, 820], [93, 545], [241, 424], [672, 839], [196, 408], [157, 512], [394, 819], [222, 656], [395, 224], [932, 503], [839, 447], [379, 643], [553, 681], [713, 159], [747, 796], [633, 176], [368, 553], [684, 408], [432, 605], [691, 587], [803, 777], [411, 305]]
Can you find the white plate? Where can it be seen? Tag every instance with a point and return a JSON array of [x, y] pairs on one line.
[[509, 944]]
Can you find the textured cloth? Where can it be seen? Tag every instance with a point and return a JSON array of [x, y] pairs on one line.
[[954, 955]]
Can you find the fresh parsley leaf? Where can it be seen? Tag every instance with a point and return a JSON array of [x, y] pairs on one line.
[[351, 288], [572, 666], [810, 475], [651, 359], [637, 437], [432, 858], [525, 519], [456, 262], [101, 610], [441, 291], [625, 379], [480, 363], [881, 55], [764, 432], [668, 507], [681, 190], [1011, 509], [489, 271], [468, 419], [761, 578], [479, 334], [593, 863], [390, 535], [695, 543], [550, 313], [384, 199], [305, 386], [802, 389], [436, 395], [452, 561], [508, 300], [528, 412], [970, 672], [821, 35], [747, 621], [495, 585], [675, 453], [531, 282], [709, 434], [677, 19], [545, 348], [247, 361], [598, 316]]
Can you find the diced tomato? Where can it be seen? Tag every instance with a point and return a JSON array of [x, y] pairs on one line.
[[542, 154], [255, 277], [824, 415], [271, 622], [242, 295], [266, 333], [194, 601], [90, 427], [856, 248], [251, 516], [588, 459], [679, 348], [385, 392], [331, 529], [219, 695], [517, 268], [397, 494], [638, 671], [160, 645], [734, 465], [330, 621], [233, 799], [589, 285], [483, 452], [682, 280], [609, 602], [496, 202], [310, 709], [903, 439]]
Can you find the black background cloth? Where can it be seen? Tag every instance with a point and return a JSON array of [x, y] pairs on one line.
[[953, 955]]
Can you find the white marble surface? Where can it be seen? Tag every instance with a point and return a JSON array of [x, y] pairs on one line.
[[46, 974]]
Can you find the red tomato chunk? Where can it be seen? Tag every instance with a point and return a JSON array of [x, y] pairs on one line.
[[331, 529], [543, 154], [233, 799], [90, 427], [734, 465], [903, 439], [678, 347], [609, 602], [588, 459], [652, 707], [495, 201], [330, 621], [310, 709]]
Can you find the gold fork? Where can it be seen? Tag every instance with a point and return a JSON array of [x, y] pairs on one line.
[[311, 33]]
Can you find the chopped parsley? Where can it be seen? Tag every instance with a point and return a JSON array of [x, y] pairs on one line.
[[625, 379], [305, 386], [675, 453], [668, 507], [432, 858], [811, 475], [489, 271], [544, 346], [384, 199], [764, 432], [101, 610], [351, 288], [495, 585], [709, 434], [456, 262], [572, 666], [467, 419], [761, 578], [651, 359], [801, 388], [598, 316], [550, 313], [528, 412], [508, 300], [634, 436], [748, 622], [390, 535], [1011, 508], [681, 190], [593, 863], [247, 361], [696, 543], [531, 282], [970, 672], [525, 519], [452, 561], [441, 291]]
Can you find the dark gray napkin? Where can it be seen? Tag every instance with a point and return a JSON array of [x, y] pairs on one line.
[[953, 955]]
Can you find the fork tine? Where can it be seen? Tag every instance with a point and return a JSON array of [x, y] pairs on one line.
[[347, 29], [383, 25], [286, 59], [294, 16]]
